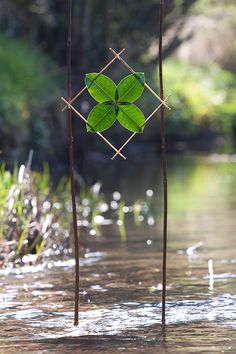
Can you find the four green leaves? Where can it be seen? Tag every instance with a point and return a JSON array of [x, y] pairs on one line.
[[115, 102]]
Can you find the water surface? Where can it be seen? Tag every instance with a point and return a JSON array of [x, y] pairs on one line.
[[121, 282]]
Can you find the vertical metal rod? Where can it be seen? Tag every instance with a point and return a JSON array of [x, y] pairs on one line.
[[164, 164], [71, 160]]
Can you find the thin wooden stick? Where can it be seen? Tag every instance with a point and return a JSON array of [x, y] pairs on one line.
[[133, 135], [133, 72], [85, 120], [164, 166], [71, 159], [100, 72]]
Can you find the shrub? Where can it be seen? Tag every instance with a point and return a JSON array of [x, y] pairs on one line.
[[201, 97], [28, 79]]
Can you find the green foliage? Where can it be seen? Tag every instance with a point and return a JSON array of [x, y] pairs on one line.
[[36, 220], [27, 80], [211, 7], [120, 22], [115, 102], [131, 118], [202, 97], [28, 216], [100, 87], [131, 87], [101, 118]]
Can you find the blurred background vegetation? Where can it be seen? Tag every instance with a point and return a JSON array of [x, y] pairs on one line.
[[199, 48], [199, 73]]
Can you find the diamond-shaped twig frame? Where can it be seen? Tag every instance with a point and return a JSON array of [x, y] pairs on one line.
[[69, 103]]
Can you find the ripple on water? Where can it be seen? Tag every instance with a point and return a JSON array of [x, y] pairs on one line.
[[122, 318]]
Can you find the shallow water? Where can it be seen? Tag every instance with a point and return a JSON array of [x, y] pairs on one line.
[[121, 282]]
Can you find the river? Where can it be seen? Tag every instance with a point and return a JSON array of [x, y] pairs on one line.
[[120, 309]]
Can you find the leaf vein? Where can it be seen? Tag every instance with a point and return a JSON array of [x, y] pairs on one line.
[[104, 115], [137, 81], [131, 119], [93, 82]]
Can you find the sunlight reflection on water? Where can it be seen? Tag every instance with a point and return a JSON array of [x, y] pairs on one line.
[[120, 282], [122, 318]]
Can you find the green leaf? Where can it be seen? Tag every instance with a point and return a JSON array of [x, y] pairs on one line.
[[131, 87], [101, 117], [100, 87], [131, 118]]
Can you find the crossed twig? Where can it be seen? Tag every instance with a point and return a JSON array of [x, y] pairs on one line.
[[100, 72], [85, 120], [131, 137], [69, 103]]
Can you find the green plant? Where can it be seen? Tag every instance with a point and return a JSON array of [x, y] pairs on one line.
[[35, 220], [28, 80], [115, 102], [202, 97]]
